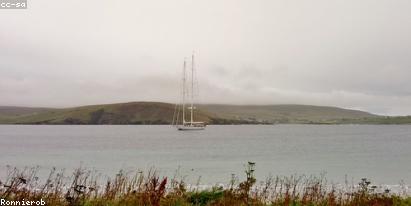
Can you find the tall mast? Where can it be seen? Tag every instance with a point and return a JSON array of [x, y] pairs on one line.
[[192, 87], [184, 90]]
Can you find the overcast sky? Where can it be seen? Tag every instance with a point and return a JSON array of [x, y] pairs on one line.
[[346, 53]]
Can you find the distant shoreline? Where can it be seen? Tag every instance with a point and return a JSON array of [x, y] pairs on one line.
[[251, 124]]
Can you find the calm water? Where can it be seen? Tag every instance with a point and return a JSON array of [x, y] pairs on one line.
[[382, 153]]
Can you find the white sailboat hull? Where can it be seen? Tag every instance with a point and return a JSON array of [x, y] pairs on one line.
[[187, 127]]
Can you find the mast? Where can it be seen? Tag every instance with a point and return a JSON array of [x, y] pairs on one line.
[[184, 90], [192, 87]]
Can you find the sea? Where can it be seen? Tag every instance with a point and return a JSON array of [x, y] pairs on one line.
[[339, 153]]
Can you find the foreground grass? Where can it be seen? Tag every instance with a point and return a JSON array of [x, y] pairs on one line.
[[85, 188]]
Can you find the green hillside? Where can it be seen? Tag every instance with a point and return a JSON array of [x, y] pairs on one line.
[[162, 113], [123, 113], [285, 113]]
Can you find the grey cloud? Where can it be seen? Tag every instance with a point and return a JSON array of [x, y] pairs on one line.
[[354, 54]]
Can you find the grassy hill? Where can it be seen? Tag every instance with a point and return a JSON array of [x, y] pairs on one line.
[[123, 113], [162, 113], [284, 113]]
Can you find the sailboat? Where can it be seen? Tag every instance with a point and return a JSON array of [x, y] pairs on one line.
[[179, 121]]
